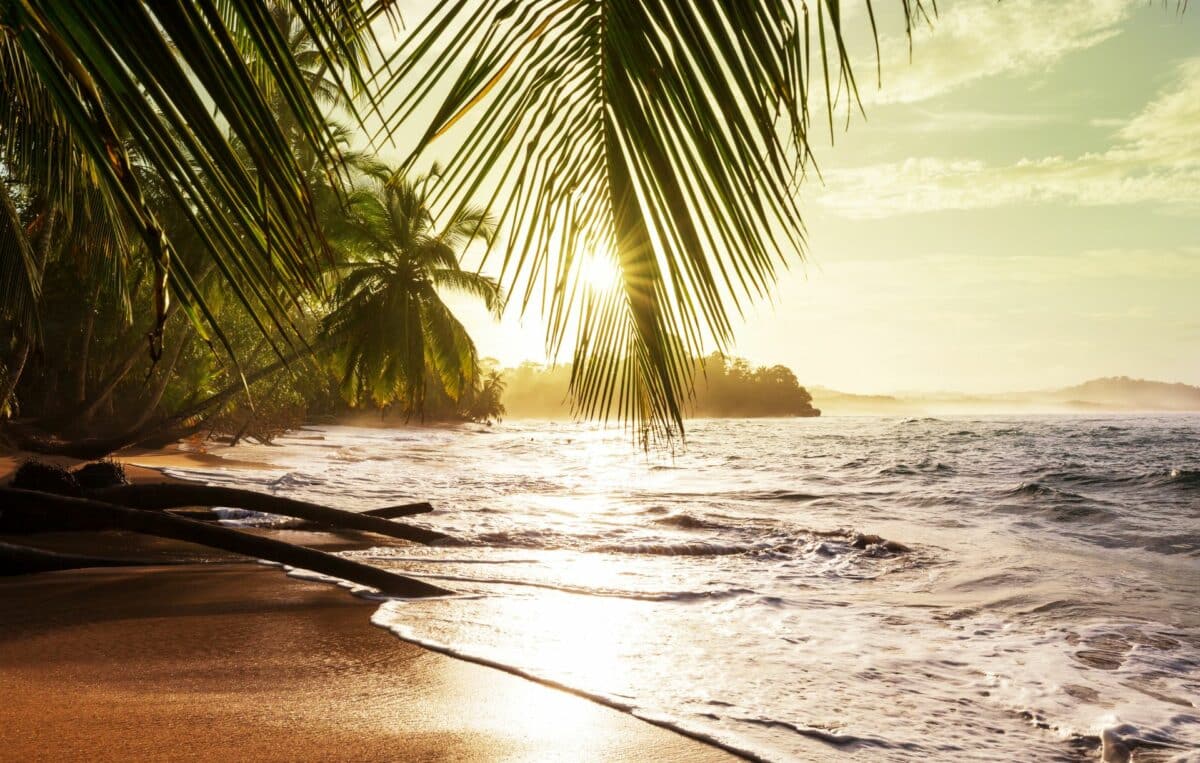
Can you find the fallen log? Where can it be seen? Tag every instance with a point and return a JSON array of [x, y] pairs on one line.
[[23, 560], [167, 495], [31, 511]]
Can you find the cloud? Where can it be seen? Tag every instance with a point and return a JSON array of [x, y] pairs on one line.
[[952, 120], [974, 39], [1155, 157]]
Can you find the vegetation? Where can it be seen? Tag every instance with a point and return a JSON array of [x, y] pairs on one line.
[[732, 388], [80, 378], [181, 224], [728, 388]]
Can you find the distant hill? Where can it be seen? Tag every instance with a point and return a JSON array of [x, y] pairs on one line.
[[1125, 393], [834, 401], [1113, 394]]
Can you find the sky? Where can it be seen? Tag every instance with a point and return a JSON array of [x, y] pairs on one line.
[[1020, 209]]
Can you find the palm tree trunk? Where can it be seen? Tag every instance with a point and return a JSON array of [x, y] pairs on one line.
[[14, 373], [102, 397], [34, 441], [160, 386], [85, 345], [24, 560]]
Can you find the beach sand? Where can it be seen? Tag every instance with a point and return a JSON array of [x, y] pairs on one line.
[[235, 661]]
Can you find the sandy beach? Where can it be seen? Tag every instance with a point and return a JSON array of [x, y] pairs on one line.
[[234, 660]]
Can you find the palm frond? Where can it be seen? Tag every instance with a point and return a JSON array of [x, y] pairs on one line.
[[670, 133], [174, 77], [484, 288], [450, 353]]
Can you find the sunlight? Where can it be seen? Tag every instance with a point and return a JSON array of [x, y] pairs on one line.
[[599, 272]]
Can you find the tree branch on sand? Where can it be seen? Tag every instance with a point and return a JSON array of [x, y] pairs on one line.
[[25, 511], [23, 560], [165, 495]]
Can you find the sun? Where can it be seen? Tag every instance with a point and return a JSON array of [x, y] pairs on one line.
[[599, 272]]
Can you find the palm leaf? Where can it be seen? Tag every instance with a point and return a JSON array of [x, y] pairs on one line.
[[668, 134], [185, 80]]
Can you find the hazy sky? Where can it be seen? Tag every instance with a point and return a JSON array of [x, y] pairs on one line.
[[1021, 209]]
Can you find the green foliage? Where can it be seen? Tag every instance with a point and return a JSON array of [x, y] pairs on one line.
[[390, 331], [484, 403], [372, 319], [728, 388], [732, 388], [183, 82]]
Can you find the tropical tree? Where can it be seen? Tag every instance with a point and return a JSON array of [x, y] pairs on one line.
[[390, 329], [485, 403]]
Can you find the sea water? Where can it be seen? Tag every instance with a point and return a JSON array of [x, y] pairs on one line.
[[967, 588]]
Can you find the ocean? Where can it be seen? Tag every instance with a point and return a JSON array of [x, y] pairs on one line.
[[954, 588]]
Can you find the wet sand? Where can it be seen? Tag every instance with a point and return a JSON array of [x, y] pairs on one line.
[[235, 661]]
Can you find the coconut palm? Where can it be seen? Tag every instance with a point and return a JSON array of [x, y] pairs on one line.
[[486, 400], [390, 328]]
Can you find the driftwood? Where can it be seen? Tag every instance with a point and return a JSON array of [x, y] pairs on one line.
[[30, 511], [23, 560], [166, 495]]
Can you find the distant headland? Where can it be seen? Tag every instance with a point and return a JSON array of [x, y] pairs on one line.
[[1108, 394]]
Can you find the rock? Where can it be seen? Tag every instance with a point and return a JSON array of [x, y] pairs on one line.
[[48, 478], [101, 474], [863, 540]]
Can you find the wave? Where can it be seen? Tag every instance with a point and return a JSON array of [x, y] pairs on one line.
[[688, 522], [841, 741], [382, 619], [1059, 506], [1175, 478], [779, 495], [294, 479], [1039, 490], [923, 467], [697, 548], [1184, 478], [609, 593]]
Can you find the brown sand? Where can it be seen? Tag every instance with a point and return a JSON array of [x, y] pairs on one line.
[[235, 661], [230, 662]]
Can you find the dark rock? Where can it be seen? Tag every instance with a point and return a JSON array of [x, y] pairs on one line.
[[48, 478], [101, 474], [863, 541]]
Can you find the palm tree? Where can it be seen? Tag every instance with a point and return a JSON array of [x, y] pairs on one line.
[[390, 328], [668, 135], [486, 400]]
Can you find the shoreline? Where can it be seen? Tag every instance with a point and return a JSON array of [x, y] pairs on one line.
[[225, 658]]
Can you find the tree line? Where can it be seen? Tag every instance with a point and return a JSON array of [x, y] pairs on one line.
[[727, 387]]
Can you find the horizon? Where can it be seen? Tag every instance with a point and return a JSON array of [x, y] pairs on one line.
[[811, 385]]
